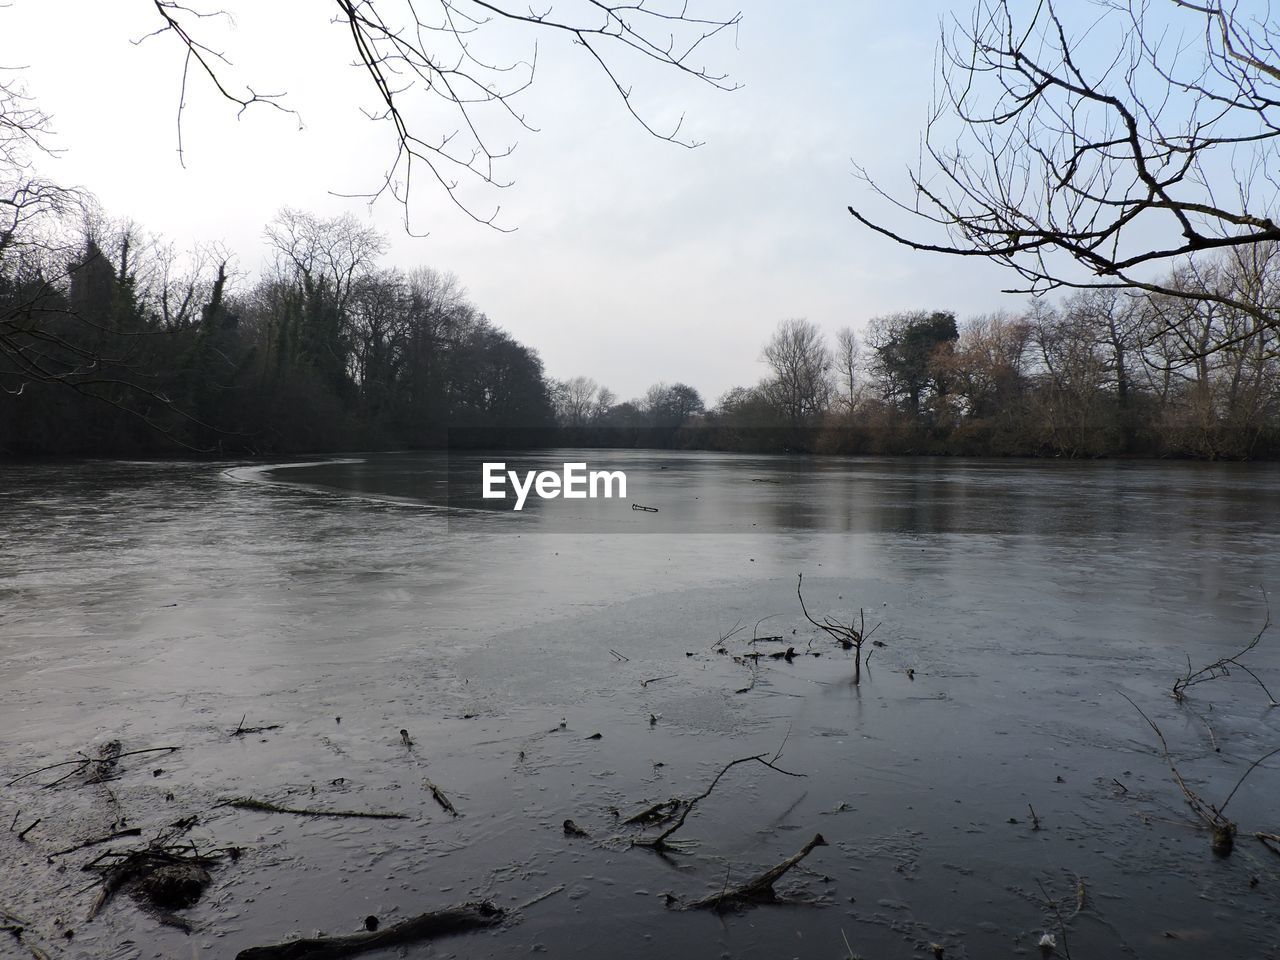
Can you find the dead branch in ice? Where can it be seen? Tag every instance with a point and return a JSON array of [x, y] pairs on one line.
[[685, 807], [667, 676], [242, 731], [848, 637], [16, 927], [164, 873], [427, 926], [662, 812], [719, 645], [755, 675], [100, 768], [758, 890], [1056, 910], [262, 806], [1221, 829], [119, 834], [1270, 840], [1222, 667], [755, 634], [440, 798]]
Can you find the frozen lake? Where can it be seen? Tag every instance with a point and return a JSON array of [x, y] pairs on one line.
[[159, 603]]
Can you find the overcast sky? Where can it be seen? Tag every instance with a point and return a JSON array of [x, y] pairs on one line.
[[633, 260]]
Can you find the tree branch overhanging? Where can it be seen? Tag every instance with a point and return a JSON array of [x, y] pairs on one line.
[[1096, 146], [417, 52]]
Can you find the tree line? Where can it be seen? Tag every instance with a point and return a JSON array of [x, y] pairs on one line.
[[115, 344], [1103, 372]]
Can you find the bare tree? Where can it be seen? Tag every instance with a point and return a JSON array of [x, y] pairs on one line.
[[847, 365], [800, 362], [580, 401], [1083, 145], [332, 251], [989, 364], [1214, 369], [448, 53]]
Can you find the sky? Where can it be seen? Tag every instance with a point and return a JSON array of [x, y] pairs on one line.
[[632, 260]]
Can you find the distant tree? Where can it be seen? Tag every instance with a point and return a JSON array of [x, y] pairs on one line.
[[1213, 370], [623, 416], [1077, 404], [322, 260], [800, 364], [905, 347], [377, 315], [213, 366], [989, 366], [435, 306], [580, 401], [498, 382], [435, 51], [847, 365], [324, 252], [1113, 319], [744, 418], [670, 405]]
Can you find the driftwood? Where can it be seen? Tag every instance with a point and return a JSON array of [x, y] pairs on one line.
[[759, 890], [426, 926], [262, 806], [441, 799]]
